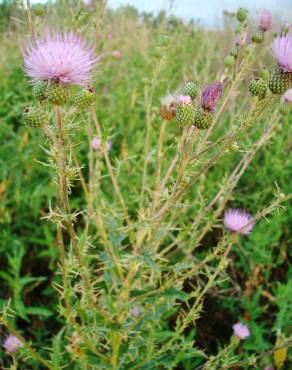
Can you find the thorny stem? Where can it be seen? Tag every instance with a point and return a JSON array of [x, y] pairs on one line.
[[29, 20]]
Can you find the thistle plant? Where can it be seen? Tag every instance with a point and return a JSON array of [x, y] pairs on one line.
[[132, 280]]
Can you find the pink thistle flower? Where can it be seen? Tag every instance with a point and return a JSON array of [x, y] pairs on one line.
[[135, 312], [282, 50], [62, 58], [266, 21], [242, 40], [241, 331], [11, 343], [184, 99], [238, 221], [210, 96], [96, 144], [287, 97], [117, 54]]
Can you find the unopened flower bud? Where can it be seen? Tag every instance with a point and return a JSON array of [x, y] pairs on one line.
[[265, 74], [279, 82], [266, 21], [38, 10], [190, 89], [257, 37], [84, 98], [241, 15], [202, 118], [57, 93], [35, 116], [185, 110], [40, 89], [258, 87], [229, 61]]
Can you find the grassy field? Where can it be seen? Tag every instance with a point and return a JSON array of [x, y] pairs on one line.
[[149, 282]]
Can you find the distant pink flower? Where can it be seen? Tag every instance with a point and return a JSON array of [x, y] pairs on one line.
[[90, 4], [282, 50], [11, 343], [269, 368], [110, 35], [63, 58], [184, 99], [287, 97], [210, 95], [241, 39], [238, 221], [241, 331], [96, 144], [266, 21], [117, 54], [135, 312]]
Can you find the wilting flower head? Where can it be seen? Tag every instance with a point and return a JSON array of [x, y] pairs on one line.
[[241, 330], [287, 97], [238, 221], [282, 50], [96, 144], [266, 21], [11, 343], [135, 312], [184, 99], [117, 54], [63, 58], [210, 96]]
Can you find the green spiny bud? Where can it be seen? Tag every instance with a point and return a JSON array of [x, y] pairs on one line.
[[57, 93], [241, 15], [257, 37], [229, 61], [185, 114], [258, 87], [234, 52], [202, 119], [191, 89], [84, 98], [279, 82], [35, 116], [38, 10], [285, 109], [234, 147], [265, 74], [40, 89]]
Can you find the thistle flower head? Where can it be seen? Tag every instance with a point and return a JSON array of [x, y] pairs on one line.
[[287, 97], [135, 312], [96, 144], [11, 343], [117, 54], [184, 99], [266, 21], [282, 50], [210, 96], [238, 221], [241, 331], [62, 58]]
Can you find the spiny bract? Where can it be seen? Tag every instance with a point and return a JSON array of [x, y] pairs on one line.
[[35, 116], [203, 118], [258, 87]]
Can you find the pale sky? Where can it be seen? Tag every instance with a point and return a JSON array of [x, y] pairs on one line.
[[207, 11]]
